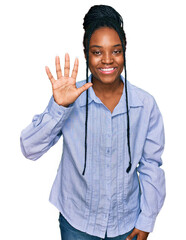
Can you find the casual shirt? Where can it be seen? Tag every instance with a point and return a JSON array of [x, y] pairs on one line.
[[106, 198]]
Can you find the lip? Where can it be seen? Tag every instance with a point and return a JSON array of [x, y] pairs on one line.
[[107, 70]]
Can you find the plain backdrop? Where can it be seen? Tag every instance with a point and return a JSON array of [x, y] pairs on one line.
[[32, 34]]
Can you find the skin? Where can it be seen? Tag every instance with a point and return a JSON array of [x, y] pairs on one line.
[[105, 51], [64, 88]]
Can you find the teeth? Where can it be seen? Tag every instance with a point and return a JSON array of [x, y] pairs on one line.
[[107, 69]]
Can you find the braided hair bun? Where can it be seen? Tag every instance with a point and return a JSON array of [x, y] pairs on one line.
[[101, 11]]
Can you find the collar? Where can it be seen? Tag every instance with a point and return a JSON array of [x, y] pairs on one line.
[[133, 98]]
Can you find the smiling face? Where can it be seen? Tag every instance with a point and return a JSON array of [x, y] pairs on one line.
[[105, 56]]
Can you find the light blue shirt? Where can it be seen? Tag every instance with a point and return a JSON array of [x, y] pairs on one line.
[[106, 198]]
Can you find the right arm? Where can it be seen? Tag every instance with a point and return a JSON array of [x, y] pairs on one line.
[[46, 128]]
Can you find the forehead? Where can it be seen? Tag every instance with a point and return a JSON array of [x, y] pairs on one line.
[[105, 36]]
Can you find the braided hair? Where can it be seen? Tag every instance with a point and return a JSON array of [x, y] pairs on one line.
[[104, 16]]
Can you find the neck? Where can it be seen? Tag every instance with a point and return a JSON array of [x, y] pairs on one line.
[[107, 89]]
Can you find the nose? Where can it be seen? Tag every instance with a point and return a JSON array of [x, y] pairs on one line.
[[107, 58]]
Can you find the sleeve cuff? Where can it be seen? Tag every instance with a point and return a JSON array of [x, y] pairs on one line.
[[144, 223], [57, 111]]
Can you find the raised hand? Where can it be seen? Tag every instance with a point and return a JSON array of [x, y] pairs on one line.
[[64, 88]]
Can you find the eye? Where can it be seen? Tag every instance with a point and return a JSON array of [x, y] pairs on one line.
[[117, 51], [96, 53]]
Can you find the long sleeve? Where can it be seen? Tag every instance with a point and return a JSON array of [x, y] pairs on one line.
[[151, 176], [44, 130], [106, 198]]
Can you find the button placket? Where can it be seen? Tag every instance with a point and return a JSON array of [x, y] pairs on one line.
[[108, 152], [108, 135]]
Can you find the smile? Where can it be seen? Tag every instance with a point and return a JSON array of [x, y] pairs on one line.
[[107, 70]]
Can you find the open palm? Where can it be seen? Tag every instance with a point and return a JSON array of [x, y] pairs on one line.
[[64, 88]]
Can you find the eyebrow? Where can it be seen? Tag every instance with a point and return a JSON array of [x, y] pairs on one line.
[[117, 45]]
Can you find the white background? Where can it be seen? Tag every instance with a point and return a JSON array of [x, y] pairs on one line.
[[32, 34]]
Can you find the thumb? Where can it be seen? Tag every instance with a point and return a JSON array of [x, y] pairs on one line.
[[132, 235], [84, 88]]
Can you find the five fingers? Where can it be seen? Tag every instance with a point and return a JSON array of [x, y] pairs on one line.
[[66, 68]]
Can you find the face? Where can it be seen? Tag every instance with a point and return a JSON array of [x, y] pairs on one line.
[[105, 55]]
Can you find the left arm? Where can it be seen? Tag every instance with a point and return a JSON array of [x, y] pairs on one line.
[[151, 176]]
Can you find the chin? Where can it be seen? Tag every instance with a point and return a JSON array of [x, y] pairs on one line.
[[107, 79]]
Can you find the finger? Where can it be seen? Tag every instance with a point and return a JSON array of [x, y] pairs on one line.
[[84, 88], [52, 80], [67, 65], [132, 235], [58, 68], [75, 69]]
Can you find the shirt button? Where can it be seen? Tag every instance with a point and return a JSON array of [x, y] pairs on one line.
[[108, 151]]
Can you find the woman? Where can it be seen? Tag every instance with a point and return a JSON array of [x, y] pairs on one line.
[[111, 131]]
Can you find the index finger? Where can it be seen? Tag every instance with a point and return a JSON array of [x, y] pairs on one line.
[[75, 69]]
